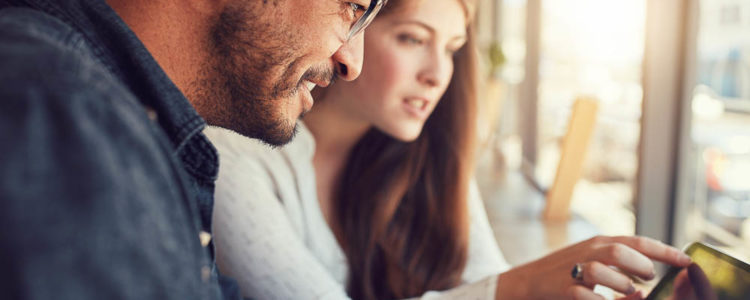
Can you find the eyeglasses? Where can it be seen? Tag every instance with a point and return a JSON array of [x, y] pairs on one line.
[[366, 18]]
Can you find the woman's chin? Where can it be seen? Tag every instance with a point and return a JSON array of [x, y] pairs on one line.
[[404, 133]]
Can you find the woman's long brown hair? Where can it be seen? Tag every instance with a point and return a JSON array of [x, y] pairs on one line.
[[400, 209]]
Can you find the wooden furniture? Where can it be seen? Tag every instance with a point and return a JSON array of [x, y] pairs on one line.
[[514, 208], [572, 155]]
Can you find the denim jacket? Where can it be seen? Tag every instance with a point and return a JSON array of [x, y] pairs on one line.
[[106, 180]]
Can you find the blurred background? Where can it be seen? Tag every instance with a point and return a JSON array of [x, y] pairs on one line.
[[669, 156]]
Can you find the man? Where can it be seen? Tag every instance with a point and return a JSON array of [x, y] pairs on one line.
[[106, 181]]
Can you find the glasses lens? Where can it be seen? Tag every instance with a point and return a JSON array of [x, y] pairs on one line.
[[367, 17]]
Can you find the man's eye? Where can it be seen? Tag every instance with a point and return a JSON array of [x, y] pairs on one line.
[[357, 10]]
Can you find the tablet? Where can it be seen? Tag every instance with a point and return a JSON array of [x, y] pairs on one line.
[[714, 275]]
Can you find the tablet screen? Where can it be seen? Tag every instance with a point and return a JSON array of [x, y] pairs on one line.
[[712, 276]]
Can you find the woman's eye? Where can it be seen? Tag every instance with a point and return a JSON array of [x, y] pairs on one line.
[[407, 39]]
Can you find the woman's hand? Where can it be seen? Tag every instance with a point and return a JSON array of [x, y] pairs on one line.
[[606, 261], [692, 284]]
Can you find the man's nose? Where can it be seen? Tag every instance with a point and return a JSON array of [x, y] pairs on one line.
[[348, 58]]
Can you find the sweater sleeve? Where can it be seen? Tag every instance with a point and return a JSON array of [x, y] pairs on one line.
[[485, 257], [485, 260], [258, 244]]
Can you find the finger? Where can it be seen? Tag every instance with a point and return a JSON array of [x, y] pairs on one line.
[[656, 250], [682, 288], [579, 292], [634, 296], [626, 259], [700, 283], [597, 273]]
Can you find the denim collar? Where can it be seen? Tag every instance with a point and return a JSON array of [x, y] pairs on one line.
[[117, 47]]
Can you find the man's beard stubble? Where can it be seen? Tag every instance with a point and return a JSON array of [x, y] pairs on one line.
[[236, 89]]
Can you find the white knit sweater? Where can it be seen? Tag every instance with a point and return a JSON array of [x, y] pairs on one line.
[[271, 236]]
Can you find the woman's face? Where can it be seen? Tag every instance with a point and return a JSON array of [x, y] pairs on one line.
[[408, 64]]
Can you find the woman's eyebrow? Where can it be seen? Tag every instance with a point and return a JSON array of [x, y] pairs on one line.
[[427, 27], [415, 22]]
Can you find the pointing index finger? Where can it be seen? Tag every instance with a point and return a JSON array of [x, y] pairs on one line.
[[656, 250]]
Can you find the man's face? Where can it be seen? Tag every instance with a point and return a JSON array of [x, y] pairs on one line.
[[266, 56]]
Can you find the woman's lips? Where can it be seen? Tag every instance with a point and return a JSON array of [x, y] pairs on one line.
[[417, 107], [417, 103]]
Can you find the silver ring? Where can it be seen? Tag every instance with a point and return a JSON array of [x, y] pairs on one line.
[[577, 272]]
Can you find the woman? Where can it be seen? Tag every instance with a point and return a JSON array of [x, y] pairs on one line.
[[374, 198]]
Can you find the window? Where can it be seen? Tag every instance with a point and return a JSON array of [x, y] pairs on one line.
[[593, 48], [718, 206], [670, 156]]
